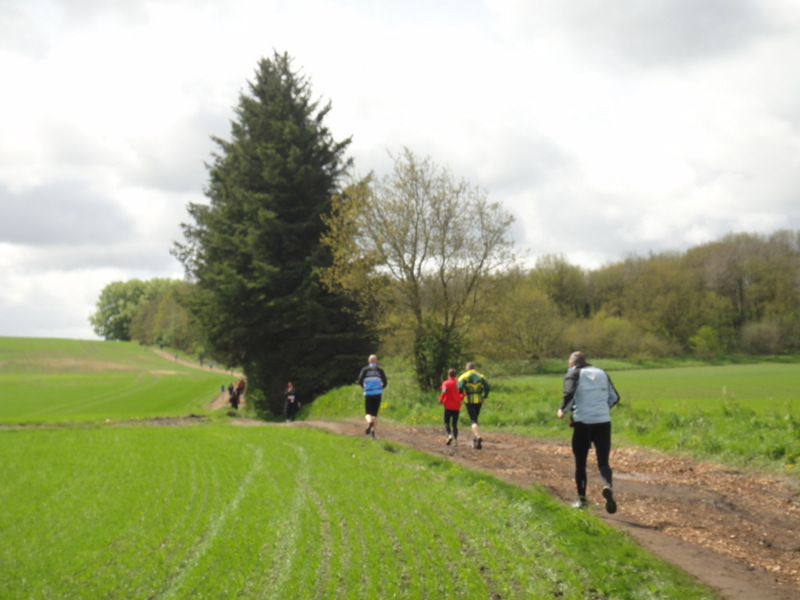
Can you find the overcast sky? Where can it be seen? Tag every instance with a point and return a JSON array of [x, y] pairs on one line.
[[606, 127]]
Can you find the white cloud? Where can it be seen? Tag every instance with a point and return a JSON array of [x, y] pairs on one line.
[[606, 128], [653, 33]]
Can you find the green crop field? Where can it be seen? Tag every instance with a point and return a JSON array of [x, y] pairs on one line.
[[50, 381], [99, 505], [742, 414], [217, 511], [761, 387]]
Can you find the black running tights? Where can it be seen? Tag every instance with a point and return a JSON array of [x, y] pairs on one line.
[[451, 420], [583, 436]]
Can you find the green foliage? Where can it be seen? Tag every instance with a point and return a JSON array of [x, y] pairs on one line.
[[563, 283], [763, 337], [736, 294], [432, 243], [436, 350], [705, 343], [520, 322], [116, 308], [254, 250], [610, 336], [665, 299], [150, 312], [162, 319]]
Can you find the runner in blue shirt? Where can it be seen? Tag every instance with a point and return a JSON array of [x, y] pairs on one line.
[[372, 379]]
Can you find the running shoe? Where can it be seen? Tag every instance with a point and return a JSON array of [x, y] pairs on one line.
[[611, 505], [369, 429], [580, 503], [449, 440], [479, 443]]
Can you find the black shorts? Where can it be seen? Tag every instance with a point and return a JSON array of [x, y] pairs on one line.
[[372, 405], [474, 410]]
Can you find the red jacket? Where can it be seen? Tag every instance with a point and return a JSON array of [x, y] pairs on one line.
[[450, 396]]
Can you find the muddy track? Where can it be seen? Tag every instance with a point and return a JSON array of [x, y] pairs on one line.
[[736, 531]]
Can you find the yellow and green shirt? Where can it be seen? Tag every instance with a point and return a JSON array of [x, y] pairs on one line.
[[474, 387]]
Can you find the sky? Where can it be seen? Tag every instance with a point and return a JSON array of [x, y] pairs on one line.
[[606, 128]]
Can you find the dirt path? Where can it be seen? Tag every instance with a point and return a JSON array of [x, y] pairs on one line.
[[190, 363], [223, 398], [737, 532]]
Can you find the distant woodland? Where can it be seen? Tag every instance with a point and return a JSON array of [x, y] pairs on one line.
[[738, 294]]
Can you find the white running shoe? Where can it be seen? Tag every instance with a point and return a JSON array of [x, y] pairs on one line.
[[580, 503]]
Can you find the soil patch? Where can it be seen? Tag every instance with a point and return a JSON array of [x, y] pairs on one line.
[[734, 530]]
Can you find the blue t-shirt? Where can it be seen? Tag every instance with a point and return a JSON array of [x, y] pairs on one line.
[[372, 379]]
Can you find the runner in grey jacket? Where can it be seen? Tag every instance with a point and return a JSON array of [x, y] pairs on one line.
[[589, 394]]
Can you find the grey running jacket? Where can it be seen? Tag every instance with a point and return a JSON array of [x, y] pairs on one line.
[[589, 393]]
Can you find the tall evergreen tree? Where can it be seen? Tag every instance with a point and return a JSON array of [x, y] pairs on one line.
[[254, 250]]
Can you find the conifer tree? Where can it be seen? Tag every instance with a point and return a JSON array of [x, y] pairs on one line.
[[254, 250]]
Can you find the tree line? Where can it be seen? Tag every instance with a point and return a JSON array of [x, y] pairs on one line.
[[297, 269], [152, 312], [739, 294]]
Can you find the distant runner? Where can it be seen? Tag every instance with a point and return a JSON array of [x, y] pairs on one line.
[[373, 380], [292, 404]]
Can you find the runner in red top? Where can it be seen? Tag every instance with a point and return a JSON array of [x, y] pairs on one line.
[[450, 398]]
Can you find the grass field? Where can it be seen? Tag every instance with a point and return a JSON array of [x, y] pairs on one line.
[[216, 511], [96, 509], [745, 414], [62, 381]]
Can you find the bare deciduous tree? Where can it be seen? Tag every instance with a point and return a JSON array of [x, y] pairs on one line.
[[424, 243]]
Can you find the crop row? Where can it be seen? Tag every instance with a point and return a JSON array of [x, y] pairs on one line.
[[213, 511]]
